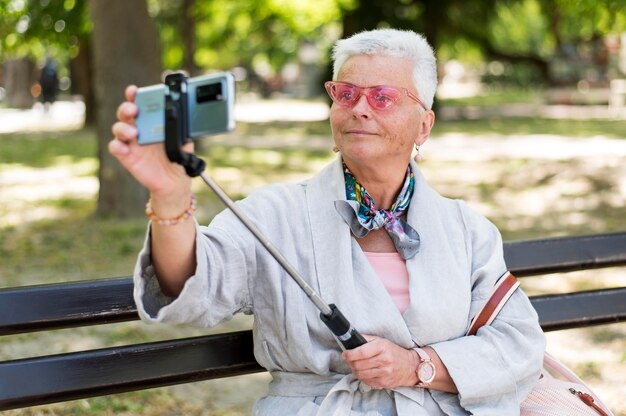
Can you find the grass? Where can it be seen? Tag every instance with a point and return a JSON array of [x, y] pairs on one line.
[[57, 238], [47, 149], [83, 248], [495, 98], [533, 126]]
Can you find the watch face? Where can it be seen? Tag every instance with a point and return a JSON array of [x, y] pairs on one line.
[[426, 372]]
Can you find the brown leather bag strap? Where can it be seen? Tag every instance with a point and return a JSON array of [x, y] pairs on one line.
[[502, 291]]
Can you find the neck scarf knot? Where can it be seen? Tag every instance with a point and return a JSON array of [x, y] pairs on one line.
[[360, 213]]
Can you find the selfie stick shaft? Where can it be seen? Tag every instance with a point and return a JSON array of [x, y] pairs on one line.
[[330, 314], [319, 303], [175, 137]]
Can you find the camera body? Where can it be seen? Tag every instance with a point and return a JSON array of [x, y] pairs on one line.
[[210, 102]]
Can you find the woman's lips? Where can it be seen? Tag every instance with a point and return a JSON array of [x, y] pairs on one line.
[[358, 132]]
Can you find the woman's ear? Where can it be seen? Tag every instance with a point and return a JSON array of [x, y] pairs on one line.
[[427, 121]]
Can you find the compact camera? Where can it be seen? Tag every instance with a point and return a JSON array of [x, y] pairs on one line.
[[210, 101]]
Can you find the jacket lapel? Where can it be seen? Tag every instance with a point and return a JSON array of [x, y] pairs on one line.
[[344, 275], [330, 234], [433, 272], [435, 282]]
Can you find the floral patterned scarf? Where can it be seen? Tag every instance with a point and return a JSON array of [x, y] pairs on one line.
[[360, 212]]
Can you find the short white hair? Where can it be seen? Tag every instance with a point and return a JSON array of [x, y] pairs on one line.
[[397, 43]]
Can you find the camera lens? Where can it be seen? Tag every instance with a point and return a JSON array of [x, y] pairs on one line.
[[209, 92]]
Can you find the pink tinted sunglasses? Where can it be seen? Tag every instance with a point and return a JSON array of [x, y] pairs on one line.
[[379, 97]]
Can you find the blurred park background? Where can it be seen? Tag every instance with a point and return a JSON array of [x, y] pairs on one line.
[[531, 126]]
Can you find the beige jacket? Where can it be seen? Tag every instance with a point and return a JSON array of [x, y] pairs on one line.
[[450, 278]]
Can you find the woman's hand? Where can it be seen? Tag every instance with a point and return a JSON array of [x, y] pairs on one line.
[[382, 364], [147, 163], [172, 246]]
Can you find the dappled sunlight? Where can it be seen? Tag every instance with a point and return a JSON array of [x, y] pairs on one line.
[[28, 194], [61, 116], [534, 185], [264, 111], [483, 147]]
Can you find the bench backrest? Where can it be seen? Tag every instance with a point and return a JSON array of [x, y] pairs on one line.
[[40, 380]]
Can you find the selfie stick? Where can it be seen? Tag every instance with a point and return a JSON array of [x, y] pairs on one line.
[[175, 136]]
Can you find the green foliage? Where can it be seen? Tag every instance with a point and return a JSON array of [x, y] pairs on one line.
[[521, 28], [37, 28], [262, 35], [540, 26], [265, 35], [584, 19]]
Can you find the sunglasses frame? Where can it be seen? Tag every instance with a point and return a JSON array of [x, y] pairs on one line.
[[329, 85]]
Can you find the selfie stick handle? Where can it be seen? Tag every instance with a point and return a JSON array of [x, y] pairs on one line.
[[329, 314]]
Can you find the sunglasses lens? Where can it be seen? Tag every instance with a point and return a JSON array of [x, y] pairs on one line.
[[382, 97], [344, 94]]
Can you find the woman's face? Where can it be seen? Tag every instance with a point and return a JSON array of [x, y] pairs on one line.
[[367, 136]]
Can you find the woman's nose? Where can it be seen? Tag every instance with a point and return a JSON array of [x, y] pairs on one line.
[[362, 108]]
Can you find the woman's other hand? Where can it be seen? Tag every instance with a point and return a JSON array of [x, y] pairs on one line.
[[382, 364], [147, 163]]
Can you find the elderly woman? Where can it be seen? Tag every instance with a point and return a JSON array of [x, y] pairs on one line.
[[407, 266]]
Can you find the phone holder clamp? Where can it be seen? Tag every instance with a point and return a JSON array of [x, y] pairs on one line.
[[176, 134]]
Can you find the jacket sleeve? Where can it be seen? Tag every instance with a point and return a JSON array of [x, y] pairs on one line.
[[495, 369], [219, 287]]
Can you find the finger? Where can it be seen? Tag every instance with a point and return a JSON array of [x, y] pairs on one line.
[[130, 93], [376, 380], [127, 112], [124, 132], [365, 351], [383, 361], [188, 147], [118, 148], [367, 364]]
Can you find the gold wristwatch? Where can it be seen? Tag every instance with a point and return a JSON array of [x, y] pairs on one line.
[[425, 370]]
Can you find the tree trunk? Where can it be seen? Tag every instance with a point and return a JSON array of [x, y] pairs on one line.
[[19, 78], [125, 51], [188, 29], [81, 70]]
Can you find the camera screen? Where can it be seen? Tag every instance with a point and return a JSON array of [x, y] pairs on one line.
[[209, 92]]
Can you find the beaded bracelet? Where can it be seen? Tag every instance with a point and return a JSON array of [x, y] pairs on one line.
[[171, 221]]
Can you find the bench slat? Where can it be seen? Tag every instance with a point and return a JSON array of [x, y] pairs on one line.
[[580, 309], [565, 254], [51, 379], [63, 305], [34, 381]]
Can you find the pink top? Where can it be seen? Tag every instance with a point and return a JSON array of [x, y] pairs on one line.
[[392, 272]]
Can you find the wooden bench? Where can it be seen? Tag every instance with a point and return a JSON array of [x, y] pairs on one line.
[[55, 378]]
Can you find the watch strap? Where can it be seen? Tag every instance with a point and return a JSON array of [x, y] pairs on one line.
[[423, 355]]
